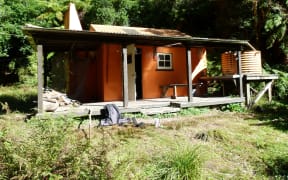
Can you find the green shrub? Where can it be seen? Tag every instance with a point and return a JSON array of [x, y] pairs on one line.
[[184, 163], [235, 107], [276, 160], [274, 108], [192, 111], [214, 69], [51, 149], [15, 98], [277, 166], [281, 84]]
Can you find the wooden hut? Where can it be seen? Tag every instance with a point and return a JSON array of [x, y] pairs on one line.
[[117, 63]]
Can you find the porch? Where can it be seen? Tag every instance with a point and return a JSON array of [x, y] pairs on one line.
[[147, 106]]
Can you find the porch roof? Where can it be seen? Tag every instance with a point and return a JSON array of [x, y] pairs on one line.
[[66, 40]]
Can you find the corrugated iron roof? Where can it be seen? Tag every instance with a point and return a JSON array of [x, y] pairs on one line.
[[137, 31], [60, 39]]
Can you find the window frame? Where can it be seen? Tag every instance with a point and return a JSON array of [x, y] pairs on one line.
[[164, 60]]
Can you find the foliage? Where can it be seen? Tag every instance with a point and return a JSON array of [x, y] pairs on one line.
[[192, 111], [276, 23], [113, 12], [144, 13], [273, 114], [15, 51], [276, 160], [281, 84], [183, 163], [50, 151], [18, 98], [213, 69], [272, 17], [235, 107], [14, 46], [214, 145]]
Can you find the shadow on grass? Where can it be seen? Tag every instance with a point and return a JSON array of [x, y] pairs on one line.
[[273, 114], [23, 104], [277, 166]]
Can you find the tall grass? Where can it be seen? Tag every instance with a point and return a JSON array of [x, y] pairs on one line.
[[184, 163], [281, 84], [50, 149], [18, 99], [240, 145]]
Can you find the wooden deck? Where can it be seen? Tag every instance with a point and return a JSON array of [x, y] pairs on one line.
[[148, 106]]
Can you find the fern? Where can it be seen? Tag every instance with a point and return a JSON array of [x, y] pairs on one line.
[[281, 84]]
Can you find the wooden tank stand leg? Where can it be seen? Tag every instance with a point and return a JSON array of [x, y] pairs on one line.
[[262, 92], [248, 94], [270, 92]]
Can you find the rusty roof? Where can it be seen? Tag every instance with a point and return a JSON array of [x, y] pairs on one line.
[[137, 31], [63, 40]]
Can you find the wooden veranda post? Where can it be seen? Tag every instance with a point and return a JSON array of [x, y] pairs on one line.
[[240, 74], [45, 71], [40, 78], [189, 75], [125, 77]]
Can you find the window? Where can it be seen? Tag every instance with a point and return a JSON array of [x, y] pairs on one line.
[[164, 61]]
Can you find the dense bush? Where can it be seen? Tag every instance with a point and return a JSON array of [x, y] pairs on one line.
[[281, 84], [235, 107], [49, 149], [18, 99]]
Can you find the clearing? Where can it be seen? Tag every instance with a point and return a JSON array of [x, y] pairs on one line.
[[226, 145]]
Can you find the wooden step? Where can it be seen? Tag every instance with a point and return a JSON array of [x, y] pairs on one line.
[[160, 110]]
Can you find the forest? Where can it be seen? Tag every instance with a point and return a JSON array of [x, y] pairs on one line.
[[262, 22]]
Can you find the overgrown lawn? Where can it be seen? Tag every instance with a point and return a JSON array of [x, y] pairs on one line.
[[210, 145], [197, 143]]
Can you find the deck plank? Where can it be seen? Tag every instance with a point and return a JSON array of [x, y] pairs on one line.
[[208, 102]]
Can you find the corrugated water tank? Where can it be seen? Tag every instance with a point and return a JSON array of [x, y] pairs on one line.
[[229, 63], [250, 62]]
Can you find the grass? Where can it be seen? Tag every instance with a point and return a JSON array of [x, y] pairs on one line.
[[193, 144], [18, 98], [214, 145]]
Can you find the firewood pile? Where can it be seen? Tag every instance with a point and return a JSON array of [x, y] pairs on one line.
[[52, 100]]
